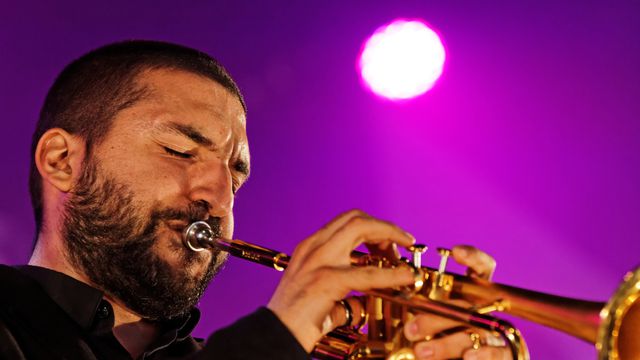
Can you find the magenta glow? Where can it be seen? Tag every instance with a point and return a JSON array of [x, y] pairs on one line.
[[402, 60]]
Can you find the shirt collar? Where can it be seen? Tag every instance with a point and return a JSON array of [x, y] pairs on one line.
[[81, 301]]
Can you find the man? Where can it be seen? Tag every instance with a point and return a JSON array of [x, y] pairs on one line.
[[135, 141]]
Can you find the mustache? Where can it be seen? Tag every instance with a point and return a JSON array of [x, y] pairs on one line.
[[195, 211]]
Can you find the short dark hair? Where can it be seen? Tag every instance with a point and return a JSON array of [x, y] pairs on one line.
[[91, 90]]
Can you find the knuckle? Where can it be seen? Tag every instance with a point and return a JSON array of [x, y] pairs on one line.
[[325, 276], [365, 273], [354, 222], [308, 249], [354, 212], [301, 247], [322, 275], [357, 220]]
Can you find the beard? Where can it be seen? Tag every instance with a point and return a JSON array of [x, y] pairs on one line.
[[108, 239]]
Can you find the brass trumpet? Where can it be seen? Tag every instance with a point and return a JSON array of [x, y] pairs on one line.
[[613, 327]]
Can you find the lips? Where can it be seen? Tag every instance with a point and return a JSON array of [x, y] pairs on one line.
[[179, 226]]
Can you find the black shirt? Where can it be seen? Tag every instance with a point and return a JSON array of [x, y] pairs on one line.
[[46, 314]]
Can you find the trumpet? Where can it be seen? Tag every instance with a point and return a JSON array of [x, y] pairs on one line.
[[612, 326]]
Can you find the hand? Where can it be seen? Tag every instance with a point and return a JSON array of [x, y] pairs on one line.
[[458, 344], [320, 274]]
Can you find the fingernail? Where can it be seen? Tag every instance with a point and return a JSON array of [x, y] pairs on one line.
[[410, 236], [424, 351], [412, 328]]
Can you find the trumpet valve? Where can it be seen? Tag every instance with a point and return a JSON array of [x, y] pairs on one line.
[[441, 283]]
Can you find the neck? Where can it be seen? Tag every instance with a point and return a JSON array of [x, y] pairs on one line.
[[50, 253], [133, 332]]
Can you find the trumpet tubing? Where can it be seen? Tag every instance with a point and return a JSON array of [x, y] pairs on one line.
[[613, 327]]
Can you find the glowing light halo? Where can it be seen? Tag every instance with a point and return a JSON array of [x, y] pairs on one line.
[[402, 59]]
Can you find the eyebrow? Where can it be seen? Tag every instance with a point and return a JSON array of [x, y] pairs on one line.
[[190, 132], [196, 136]]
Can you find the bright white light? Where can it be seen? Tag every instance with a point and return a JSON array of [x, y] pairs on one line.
[[402, 60]]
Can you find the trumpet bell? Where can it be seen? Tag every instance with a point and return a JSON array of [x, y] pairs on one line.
[[620, 322]]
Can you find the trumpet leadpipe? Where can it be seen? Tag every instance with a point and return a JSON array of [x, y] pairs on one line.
[[199, 237]]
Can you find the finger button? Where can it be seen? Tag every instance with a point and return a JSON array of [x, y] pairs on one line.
[[416, 254], [444, 253]]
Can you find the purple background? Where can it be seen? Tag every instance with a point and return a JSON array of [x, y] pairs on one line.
[[528, 147]]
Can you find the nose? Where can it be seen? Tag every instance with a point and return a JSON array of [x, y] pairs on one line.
[[212, 183]]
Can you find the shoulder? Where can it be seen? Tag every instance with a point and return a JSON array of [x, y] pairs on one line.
[[11, 286], [9, 347]]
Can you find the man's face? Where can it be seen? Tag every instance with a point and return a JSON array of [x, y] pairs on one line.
[[175, 157]]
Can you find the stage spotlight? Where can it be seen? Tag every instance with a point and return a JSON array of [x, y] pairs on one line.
[[402, 60]]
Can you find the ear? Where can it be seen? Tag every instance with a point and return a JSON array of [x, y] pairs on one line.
[[58, 158]]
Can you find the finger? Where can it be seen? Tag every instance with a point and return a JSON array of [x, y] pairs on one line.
[[304, 248], [336, 282], [488, 353], [348, 312], [359, 229], [369, 277], [423, 325], [479, 263], [329, 228], [452, 346], [339, 221], [427, 325]]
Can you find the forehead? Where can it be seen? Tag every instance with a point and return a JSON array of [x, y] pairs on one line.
[[186, 98], [184, 91]]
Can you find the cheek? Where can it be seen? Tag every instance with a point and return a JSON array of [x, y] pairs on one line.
[[156, 183], [230, 228], [150, 176]]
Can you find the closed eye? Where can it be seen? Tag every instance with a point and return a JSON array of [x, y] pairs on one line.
[[178, 154]]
